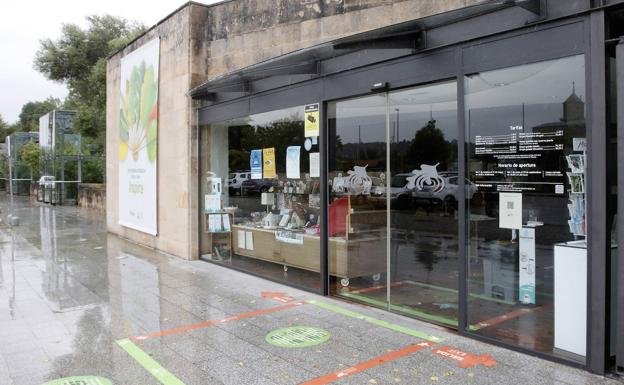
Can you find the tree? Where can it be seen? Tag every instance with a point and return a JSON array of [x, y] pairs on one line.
[[5, 129], [32, 111], [31, 154], [4, 165], [78, 59]]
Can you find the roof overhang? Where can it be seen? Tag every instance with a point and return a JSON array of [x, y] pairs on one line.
[[398, 39]]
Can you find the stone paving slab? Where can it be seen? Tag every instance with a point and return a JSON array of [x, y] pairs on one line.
[[63, 309]]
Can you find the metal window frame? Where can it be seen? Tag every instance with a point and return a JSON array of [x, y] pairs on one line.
[[620, 203], [597, 240], [545, 41]]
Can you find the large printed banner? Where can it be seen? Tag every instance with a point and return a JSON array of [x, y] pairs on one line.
[[138, 133]]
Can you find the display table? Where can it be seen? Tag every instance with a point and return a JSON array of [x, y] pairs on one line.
[[347, 258]]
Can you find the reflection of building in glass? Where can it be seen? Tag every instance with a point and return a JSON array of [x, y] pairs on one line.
[[572, 122]]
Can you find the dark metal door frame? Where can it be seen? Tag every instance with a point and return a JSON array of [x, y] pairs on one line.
[[620, 203]]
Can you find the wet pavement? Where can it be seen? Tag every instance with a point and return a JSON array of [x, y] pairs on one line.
[[75, 301]]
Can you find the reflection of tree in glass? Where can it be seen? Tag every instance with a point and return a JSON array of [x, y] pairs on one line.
[[427, 258], [278, 134], [430, 147]]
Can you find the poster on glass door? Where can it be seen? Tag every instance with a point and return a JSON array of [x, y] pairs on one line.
[[255, 163], [312, 120], [527, 266], [138, 133]]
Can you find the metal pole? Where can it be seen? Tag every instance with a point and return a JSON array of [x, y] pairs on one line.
[[388, 186], [398, 126]]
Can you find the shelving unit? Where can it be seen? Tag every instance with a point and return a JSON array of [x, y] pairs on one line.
[[219, 238]]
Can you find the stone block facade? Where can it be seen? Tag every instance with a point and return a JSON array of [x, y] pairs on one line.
[[200, 42]]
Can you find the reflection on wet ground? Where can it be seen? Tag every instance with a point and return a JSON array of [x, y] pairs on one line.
[[76, 301]]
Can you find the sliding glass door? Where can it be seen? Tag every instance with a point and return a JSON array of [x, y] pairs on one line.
[[393, 201]]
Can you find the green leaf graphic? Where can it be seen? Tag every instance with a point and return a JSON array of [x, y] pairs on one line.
[[152, 134]]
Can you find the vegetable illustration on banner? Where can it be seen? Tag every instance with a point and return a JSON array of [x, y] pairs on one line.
[[138, 135], [268, 156], [312, 120], [255, 162]]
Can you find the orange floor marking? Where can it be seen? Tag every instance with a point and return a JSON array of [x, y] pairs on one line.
[[506, 317], [211, 323], [278, 296], [466, 360], [357, 368]]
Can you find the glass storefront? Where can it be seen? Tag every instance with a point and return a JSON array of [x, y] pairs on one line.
[[527, 253], [260, 196], [458, 200]]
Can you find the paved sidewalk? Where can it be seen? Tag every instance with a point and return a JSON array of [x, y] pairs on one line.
[[75, 301]]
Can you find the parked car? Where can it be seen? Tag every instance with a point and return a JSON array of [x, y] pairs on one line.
[[400, 195], [235, 181], [257, 186], [447, 195]]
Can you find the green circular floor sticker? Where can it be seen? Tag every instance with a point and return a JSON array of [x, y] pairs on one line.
[[297, 337], [80, 380]]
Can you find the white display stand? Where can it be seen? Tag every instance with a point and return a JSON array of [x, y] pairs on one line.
[[571, 297]]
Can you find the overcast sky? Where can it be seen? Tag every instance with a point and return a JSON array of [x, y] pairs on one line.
[[24, 23]]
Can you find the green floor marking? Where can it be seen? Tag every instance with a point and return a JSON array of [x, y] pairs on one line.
[[377, 322], [403, 309], [80, 380], [148, 363], [297, 337], [409, 311], [448, 289]]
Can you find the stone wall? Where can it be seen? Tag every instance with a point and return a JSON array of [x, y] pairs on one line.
[[173, 138], [236, 34], [92, 196], [201, 42]]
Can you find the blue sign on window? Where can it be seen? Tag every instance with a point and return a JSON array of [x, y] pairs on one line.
[[255, 161]]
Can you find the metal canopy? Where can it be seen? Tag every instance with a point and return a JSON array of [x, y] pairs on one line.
[[308, 61]]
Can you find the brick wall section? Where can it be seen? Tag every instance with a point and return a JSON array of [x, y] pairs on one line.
[[201, 42]]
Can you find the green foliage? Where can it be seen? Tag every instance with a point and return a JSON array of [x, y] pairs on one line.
[[3, 124], [93, 171], [4, 165], [5, 129], [32, 111], [78, 59], [31, 154]]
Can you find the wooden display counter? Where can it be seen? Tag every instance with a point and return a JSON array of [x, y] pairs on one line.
[[347, 258]]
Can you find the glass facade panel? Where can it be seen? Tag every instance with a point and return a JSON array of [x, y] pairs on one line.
[[393, 173], [423, 165], [357, 209], [260, 196], [527, 254]]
